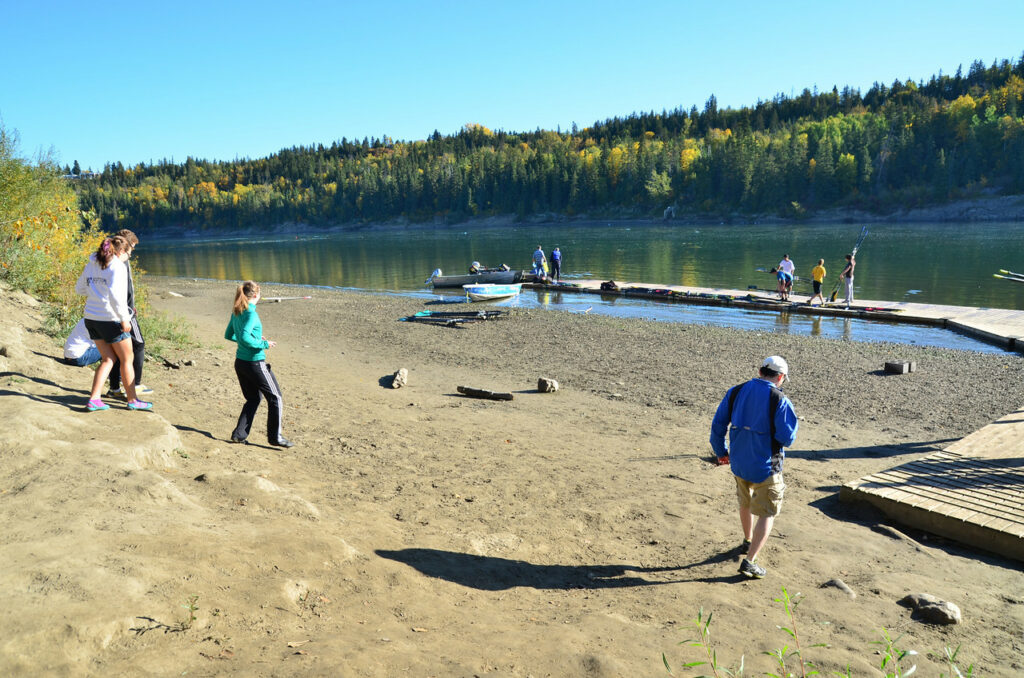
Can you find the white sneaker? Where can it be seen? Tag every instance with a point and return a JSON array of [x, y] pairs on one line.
[[142, 389]]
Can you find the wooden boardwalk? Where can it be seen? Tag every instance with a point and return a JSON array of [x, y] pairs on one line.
[[973, 491], [1003, 327]]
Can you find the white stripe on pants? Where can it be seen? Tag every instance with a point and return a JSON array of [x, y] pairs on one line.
[[257, 381]]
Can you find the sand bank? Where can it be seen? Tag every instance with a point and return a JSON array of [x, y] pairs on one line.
[[418, 532]]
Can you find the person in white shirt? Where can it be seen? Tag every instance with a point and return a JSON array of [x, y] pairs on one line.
[[79, 349], [108, 318], [787, 267]]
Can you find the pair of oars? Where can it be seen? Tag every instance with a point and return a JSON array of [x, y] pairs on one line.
[[1009, 275]]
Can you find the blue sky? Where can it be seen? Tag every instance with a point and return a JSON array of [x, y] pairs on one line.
[[139, 81]]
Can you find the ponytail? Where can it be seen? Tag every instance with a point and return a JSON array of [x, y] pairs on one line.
[[246, 291], [110, 248]]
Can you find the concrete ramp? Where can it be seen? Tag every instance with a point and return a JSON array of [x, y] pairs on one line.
[[972, 492]]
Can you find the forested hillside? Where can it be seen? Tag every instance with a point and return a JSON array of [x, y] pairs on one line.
[[908, 144]]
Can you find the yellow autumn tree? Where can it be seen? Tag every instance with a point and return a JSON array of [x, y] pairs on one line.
[[44, 240]]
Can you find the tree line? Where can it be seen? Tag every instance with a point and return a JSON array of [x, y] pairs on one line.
[[901, 145]]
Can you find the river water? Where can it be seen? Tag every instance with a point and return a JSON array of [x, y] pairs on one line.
[[949, 263]]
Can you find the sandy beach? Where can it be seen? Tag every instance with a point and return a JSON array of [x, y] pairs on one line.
[[418, 532]]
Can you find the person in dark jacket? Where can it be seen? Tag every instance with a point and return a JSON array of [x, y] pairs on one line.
[[254, 374], [761, 423], [556, 264]]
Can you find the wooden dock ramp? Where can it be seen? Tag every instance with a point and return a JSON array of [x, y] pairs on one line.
[[972, 492]]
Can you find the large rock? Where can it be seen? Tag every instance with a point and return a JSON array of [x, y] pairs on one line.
[[931, 609], [545, 385], [400, 379]]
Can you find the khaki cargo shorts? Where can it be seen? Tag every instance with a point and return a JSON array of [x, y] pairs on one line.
[[763, 498]]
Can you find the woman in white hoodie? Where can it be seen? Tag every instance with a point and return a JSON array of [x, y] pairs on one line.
[[104, 283]]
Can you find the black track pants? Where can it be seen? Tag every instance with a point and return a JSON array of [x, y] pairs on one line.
[[258, 381]]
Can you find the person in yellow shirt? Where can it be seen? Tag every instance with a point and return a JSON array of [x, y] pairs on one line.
[[817, 279]]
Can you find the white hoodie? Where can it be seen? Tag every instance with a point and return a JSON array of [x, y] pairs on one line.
[[106, 291]]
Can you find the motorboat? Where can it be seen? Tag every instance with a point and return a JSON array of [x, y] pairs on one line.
[[484, 275]]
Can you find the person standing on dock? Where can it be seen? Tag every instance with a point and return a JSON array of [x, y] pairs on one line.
[[761, 423], [787, 267], [539, 261], [847, 278], [817, 279], [556, 264]]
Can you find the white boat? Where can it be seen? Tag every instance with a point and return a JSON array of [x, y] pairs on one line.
[[492, 291]]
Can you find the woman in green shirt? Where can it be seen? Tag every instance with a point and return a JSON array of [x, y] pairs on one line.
[[254, 374]]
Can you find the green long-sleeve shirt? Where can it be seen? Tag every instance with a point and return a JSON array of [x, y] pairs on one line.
[[246, 330]]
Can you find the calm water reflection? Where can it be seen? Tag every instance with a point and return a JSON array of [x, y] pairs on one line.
[[928, 263]]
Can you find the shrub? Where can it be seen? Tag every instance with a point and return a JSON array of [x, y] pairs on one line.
[[45, 241], [44, 238]]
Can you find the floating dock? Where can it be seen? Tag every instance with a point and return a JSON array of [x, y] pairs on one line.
[[1002, 327], [972, 492]]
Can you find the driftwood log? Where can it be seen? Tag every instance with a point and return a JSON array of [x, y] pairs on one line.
[[483, 393]]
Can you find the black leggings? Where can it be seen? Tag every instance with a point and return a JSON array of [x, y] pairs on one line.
[[258, 381]]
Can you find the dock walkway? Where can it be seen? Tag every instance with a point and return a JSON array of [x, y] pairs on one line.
[[973, 491], [1003, 327]]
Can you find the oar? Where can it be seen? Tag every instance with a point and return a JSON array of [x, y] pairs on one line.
[[1016, 275], [796, 278], [853, 255], [1009, 277], [278, 299]]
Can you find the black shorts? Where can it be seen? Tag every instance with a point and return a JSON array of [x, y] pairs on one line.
[[106, 330], [817, 286]]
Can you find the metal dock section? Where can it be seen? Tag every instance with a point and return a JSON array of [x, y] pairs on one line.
[[972, 492]]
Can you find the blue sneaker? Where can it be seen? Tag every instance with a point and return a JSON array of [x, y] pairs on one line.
[[139, 405], [96, 405]]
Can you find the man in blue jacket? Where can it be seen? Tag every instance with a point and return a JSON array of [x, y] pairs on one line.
[[761, 422]]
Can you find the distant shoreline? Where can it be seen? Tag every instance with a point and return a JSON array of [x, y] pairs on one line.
[[974, 210]]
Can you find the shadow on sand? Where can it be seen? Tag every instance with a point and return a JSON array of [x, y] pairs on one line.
[[488, 573]]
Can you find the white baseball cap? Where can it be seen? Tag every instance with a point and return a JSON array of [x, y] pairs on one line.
[[776, 364]]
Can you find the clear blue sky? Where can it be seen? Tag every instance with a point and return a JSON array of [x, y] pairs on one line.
[[141, 81]]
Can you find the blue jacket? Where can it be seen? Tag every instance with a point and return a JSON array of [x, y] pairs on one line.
[[750, 448], [247, 331]]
